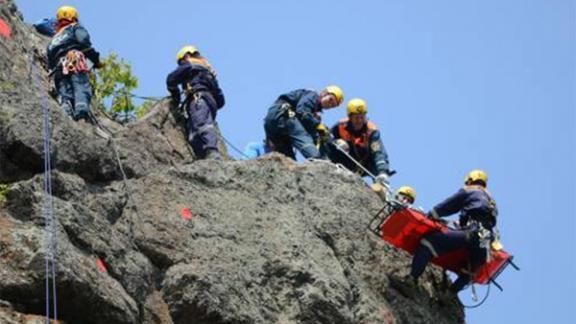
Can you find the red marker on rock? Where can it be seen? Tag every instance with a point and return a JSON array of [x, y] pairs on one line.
[[101, 265], [186, 213], [5, 29]]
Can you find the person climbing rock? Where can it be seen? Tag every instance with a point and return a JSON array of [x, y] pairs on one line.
[[67, 53], [292, 121], [203, 98]]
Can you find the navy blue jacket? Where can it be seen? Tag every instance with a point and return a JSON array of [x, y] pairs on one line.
[[71, 37], [473, 202], [304, 103], [198, 77]]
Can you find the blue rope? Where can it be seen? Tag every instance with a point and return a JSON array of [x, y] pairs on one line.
[[234, 147], [48, 204]]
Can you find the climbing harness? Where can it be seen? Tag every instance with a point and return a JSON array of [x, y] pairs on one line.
[[73, 62], [48, 205]]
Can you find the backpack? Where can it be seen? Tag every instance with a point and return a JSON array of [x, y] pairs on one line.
[[46, 26]]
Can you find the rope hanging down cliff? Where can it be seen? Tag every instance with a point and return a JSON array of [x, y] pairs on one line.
[[48, 205]]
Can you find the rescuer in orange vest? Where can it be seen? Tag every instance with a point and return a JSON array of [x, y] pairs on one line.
[[360, 138]]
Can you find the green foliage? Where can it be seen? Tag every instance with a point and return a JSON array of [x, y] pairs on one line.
[[3, 189], [113, 85], [8, 85], [143, 108]]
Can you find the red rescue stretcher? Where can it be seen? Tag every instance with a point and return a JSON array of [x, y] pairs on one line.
[[404, 227]]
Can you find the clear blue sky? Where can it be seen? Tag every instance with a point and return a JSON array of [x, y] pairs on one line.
[[453, 85]]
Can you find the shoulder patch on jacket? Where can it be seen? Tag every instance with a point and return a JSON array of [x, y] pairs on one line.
[[371, 126]]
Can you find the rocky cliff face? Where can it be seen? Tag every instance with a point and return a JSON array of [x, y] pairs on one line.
[[184, 241]]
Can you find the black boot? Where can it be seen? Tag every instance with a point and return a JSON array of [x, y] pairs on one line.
[[213, 155], [407, 286]]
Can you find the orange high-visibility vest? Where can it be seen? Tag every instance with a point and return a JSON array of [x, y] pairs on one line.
[[362, 140]]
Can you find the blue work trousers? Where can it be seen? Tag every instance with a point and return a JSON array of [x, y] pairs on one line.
[[438, 243], [286, 132], [200, 127], [75, 94]]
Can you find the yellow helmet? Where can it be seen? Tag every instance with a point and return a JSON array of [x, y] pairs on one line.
[[337, 92], [185, 50], [357, 106], [476, 175], [408, 192], [67, 12]]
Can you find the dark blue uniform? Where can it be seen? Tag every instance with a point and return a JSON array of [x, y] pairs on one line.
[[290, 122], [203, 99], [478, 214], [365, 147], [73, 88]]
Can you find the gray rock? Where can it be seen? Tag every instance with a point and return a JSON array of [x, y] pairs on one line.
[[268, 241]]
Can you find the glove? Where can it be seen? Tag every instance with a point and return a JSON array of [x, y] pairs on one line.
[[322, 129], [382, 179], [342, 144], [323, 132]]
